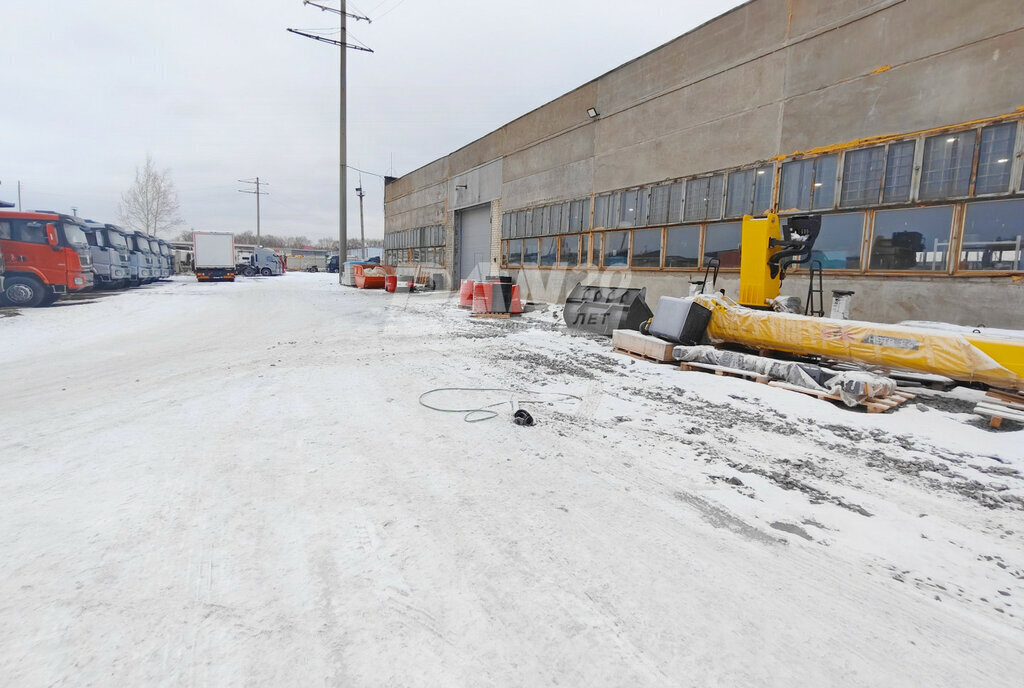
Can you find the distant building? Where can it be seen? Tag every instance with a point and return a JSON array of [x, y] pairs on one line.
[[901, 122]]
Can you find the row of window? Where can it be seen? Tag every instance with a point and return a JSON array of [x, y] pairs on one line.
[[962, 164], [904, 239], [413, 238], [417, 256]]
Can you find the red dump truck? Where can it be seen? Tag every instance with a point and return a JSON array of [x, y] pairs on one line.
[[45, 254]]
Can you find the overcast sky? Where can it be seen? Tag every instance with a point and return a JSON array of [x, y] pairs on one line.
[[219, 91]]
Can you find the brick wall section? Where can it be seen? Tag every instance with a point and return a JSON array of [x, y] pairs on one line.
[[495, 236]]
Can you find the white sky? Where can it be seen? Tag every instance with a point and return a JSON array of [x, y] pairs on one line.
[[219, 91]]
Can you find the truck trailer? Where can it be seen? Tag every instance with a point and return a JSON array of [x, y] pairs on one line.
[[214, 254]]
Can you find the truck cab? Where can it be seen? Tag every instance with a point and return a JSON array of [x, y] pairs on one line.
[[168, 254], [138, 271], [262, 261], [148, 270], [109, 262], [46, 255], [159, 259]]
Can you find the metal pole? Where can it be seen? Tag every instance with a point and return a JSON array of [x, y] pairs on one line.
[[19, 195], [342, 182], [362, 232], [257, 211]]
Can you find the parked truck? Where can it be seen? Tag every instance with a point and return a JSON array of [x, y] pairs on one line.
[[260, 261], [214, 256], [46, 255], [111, 266], [138, 268], [162, 263]]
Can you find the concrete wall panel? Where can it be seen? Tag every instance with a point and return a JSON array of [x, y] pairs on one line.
[[733, 141], [902, 33], [561, 183], [979, 80], [746, 87], [566, 149], [477, 186]]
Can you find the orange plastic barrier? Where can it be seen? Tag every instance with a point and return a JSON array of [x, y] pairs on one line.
[[466, 294], [482, 297], [517, 306]]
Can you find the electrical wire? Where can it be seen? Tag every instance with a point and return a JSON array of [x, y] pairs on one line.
[[488, 411]]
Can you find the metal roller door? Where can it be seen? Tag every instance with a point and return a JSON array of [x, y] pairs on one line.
[[474, 241]]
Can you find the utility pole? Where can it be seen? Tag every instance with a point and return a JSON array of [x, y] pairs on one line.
[[19, 195], [342, 43], [74, 211], [362, 232], [257, 193]]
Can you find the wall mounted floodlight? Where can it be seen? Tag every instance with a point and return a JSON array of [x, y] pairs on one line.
[[592, 113]]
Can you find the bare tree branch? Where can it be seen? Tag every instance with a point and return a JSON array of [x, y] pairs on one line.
[[151, 204]]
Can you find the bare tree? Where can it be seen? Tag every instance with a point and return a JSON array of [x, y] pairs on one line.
[[151, 204]]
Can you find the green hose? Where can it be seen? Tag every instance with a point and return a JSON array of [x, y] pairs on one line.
[[488, 411]]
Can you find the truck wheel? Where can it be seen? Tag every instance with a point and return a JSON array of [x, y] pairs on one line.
[[49, 298], [266, 272], [25, 292], [249, 272]]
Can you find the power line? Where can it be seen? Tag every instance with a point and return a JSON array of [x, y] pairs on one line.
[[257, 193]]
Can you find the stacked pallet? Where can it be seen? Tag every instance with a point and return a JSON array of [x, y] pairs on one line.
[[999, 406], [642, 346]]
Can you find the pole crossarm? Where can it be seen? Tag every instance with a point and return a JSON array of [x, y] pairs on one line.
[[331, 41], [337, 11]]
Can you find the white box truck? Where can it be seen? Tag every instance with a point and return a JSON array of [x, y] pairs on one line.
[[214, 254]]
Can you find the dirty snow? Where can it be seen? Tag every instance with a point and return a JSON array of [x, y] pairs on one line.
[[234, 484]]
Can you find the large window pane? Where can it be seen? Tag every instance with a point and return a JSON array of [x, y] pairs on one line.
[[515, 252], [704, 198], [531, 248], [675, 202], [946, 168], [739, 197], [506, 226], [682, 247], [722, 241], [647, 248], [548, 247], [595, 252], [584, 253], [763, 181], [658, 213], [862, 177], [522, 223], [631, 210], [993, 236], [823, 193], [912, 239], [995, 158], [576, 219], [601, 210], [899, 172], [569, 253], [537, 223], [839, 242], [808, 184], [616, 249]]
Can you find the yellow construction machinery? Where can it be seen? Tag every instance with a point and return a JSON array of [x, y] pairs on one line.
[[768, 250]]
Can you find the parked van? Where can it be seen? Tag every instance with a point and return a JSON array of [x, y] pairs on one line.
[[46, 255], [109, 251]]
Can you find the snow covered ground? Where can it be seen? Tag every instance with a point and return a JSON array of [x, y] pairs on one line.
[[235, 484]]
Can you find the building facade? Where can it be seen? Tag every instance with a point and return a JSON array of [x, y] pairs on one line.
[[900, 121]]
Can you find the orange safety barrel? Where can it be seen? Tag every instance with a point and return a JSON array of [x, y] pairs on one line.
[[482, 297], [466, 294], [390, 283]]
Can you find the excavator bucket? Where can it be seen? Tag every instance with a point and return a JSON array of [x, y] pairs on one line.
[[602, 309]]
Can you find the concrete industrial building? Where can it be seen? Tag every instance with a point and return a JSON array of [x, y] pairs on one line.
[[899, 120]]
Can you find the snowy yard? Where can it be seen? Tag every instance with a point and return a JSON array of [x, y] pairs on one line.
[[235, 484]]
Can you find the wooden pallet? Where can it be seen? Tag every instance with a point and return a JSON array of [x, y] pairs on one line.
[[871, 405], [502, 316], [999, 406], [640, 356]]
